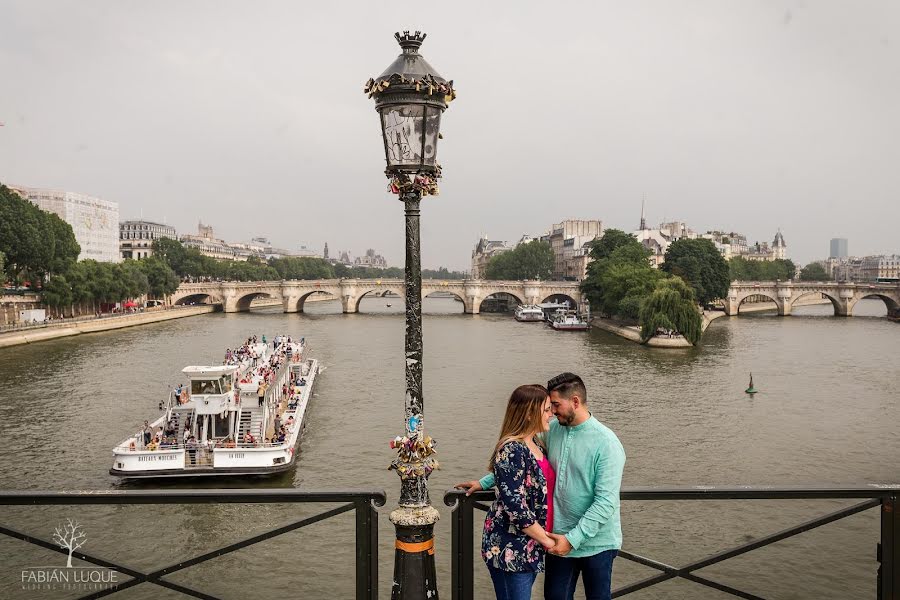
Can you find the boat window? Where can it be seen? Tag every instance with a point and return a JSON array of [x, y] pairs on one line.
[[205, 386], [225, 383]]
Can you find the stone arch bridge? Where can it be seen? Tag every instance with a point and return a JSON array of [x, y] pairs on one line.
[[236, 296], [843, 296]]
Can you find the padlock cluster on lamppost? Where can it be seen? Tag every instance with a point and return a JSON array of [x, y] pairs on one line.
[[410, 97]]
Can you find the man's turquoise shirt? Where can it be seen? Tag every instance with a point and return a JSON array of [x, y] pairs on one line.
[[588, 460]]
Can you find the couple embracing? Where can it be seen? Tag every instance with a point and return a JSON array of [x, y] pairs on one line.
[[557, 505]]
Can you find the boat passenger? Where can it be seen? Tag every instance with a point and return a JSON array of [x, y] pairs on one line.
[[152, 445], [147, 431], [191, 446], [229, 443], [249, 439]]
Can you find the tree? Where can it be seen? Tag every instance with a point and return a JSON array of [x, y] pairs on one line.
[[23, 237], [532, 260], [611, 240], [671, 306], [65, 247], [161, 279], [741, 269], [57, 293], [134, 279], [814, 272], [700, 264]]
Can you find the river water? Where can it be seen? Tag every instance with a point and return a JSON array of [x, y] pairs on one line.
[[827, 413]]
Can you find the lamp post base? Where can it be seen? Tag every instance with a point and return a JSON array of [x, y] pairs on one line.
[[414, 572]]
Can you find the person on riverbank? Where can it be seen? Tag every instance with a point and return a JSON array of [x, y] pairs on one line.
[[515, 536], [588, 459]]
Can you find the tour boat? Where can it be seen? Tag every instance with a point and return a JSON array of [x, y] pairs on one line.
[[529, 313], [568, 320], [216, 425]]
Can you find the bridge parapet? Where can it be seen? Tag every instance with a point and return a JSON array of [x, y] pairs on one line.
[[237, 296], [843, 295]]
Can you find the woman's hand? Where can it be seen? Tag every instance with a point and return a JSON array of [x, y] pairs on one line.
[[469, 486], [548, 543]]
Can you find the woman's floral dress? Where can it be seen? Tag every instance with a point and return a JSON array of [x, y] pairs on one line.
[[521, 502]]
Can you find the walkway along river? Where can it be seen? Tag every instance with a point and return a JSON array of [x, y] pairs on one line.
[[827, 412]]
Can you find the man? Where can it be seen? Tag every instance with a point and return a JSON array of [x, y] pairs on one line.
[[261, 391], [588, 459]]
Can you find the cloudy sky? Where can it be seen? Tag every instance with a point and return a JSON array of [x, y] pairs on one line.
[[250, 116]]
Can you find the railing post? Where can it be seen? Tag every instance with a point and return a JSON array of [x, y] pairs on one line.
[[462, 568], [889, 570], [366, 550]]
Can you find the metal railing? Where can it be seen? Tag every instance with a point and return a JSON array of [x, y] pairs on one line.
[[885, 497], [363, 502]]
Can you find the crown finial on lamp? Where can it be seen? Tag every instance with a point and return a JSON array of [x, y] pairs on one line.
[[410, 43]]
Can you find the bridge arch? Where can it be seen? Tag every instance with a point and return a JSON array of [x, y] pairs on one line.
[[379, 290], [892, 304], [835, 302], [492, 294], [560, 297], [301, 301], [198, 298], [242, 303], [745, 297]]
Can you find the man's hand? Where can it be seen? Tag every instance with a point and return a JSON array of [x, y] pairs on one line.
[[562, 546], [469, 486]]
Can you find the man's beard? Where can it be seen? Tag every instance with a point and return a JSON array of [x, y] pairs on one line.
[[565, 420]]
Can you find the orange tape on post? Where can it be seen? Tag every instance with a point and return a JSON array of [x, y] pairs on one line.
[[416, 547]]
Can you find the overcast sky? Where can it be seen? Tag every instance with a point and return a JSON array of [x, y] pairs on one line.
[[745, 116]]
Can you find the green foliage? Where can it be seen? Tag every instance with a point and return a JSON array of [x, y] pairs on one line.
[[443, 273], [814, 272], [741, 269], [161, 279], [533, 260], [673, 306], [65, 247], [619, 276], [24, 237], [57, 292], [302, 268], [700, 265], [612, 240]]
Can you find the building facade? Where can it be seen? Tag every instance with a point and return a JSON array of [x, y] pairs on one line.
[[370, 259], [880, 268], [484, 251], [136, 237], [95, 222], [568, 241], [208, 245]]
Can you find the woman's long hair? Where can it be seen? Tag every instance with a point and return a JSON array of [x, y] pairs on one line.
[[524, 412]]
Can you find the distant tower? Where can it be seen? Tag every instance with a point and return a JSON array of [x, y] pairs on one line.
[[325, 252], [643, 220], [779, 248], [839, 248]]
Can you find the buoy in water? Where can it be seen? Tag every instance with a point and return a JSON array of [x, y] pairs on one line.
[[751, 390]]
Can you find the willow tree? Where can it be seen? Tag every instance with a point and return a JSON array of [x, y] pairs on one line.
[[672, 305]]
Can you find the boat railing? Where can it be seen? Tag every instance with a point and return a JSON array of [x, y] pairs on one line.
[[362, 503], [885, 497]]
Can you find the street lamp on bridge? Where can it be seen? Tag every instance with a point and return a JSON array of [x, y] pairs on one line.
[[410, 97]]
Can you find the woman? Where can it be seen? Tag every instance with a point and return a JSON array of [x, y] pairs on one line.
[[515, 530]]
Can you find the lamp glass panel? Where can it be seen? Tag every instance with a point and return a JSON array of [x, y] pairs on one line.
[[402, 128], [432, 127]]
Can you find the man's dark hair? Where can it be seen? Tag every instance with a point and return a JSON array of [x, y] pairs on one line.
[[567, 385]]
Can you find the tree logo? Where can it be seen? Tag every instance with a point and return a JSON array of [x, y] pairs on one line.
[[70, 537]]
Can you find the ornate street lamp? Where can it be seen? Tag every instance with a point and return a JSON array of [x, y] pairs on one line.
[[410, 97]]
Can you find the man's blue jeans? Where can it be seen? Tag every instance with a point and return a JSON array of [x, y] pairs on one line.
[[510, 585], [562, 575]]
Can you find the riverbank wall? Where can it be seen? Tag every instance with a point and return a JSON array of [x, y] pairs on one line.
[[59, 330], [633, 332]]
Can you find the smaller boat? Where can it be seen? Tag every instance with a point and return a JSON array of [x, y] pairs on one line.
[[529, 313], [751, 390], [389, 305], [568, 320]]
